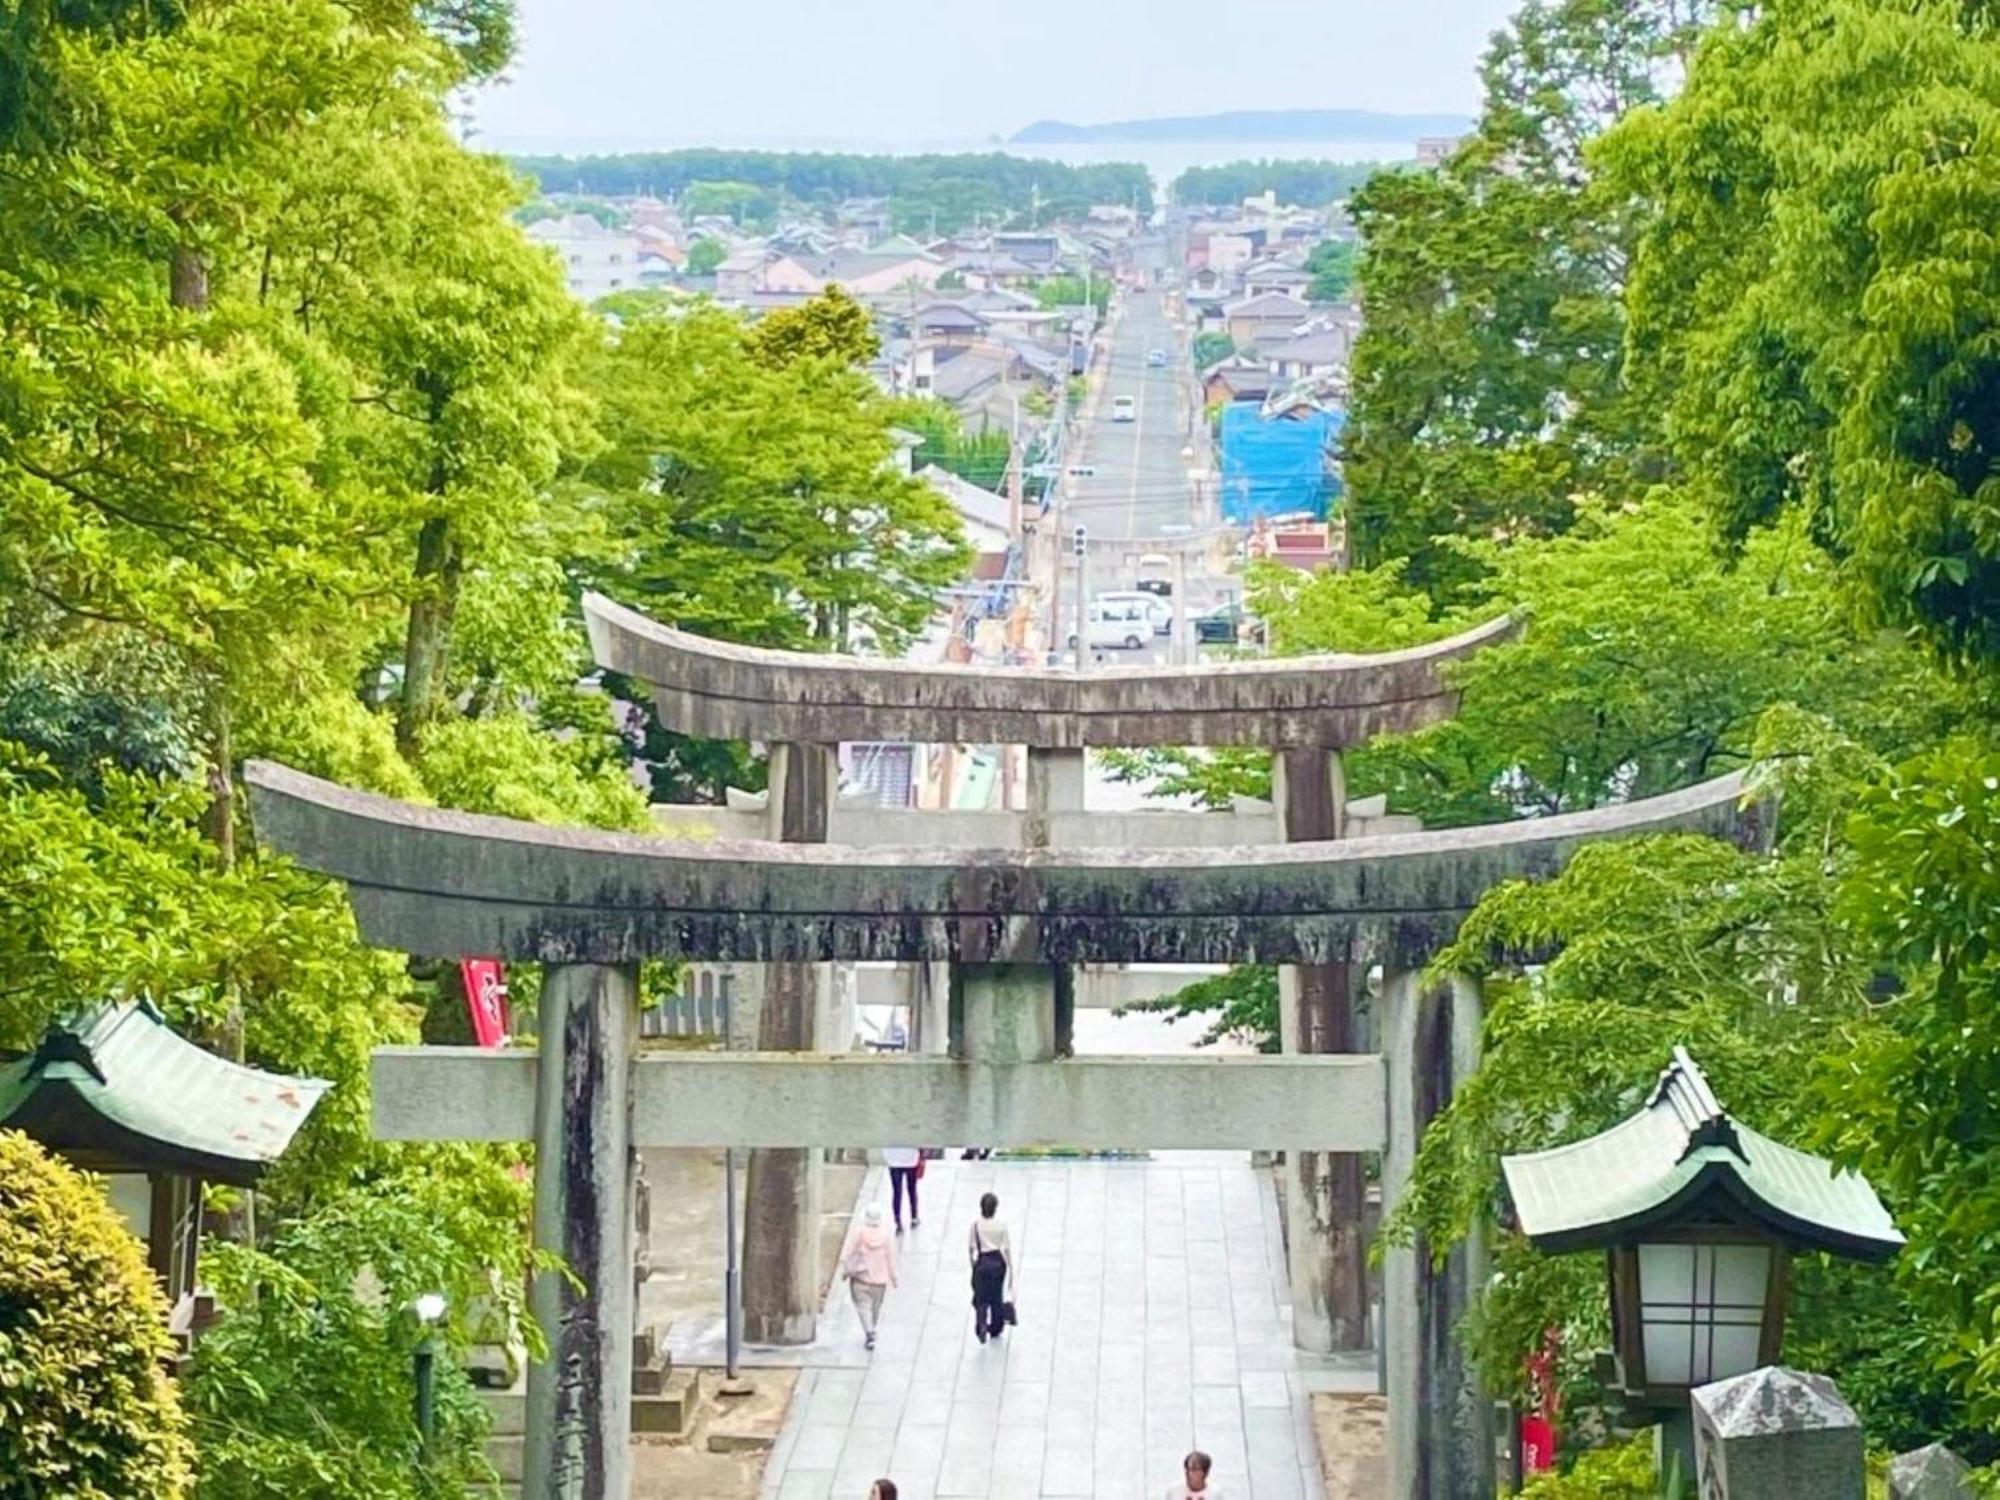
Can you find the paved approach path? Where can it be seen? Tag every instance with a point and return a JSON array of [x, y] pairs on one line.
[[1153, 1320]]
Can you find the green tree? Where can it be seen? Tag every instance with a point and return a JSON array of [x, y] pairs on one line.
[[85, 1409], [1312, 183], [1070, 290], [305, 1388], [831, 326], [1813, 298], [760, 498], [1211, 348], [1332, 265], [704, 255], [1487, 396]]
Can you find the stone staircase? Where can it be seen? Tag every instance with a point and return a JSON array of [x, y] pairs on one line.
[[665, 1403]]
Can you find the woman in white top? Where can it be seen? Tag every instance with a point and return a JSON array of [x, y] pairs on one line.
[[905, 1167], [992, 1270]]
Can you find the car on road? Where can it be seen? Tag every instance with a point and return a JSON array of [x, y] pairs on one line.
[[1115, 626], [1124, 409], [1156, 357], [1156, 574], [1226, 625], [1156, 609]]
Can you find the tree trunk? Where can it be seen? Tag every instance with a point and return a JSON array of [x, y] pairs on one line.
[[427, 646], [187, 279], [219, 822]]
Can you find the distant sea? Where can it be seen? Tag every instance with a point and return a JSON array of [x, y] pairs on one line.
[[1165, 160]]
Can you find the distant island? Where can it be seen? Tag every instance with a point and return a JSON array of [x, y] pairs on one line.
[[1260, 125]]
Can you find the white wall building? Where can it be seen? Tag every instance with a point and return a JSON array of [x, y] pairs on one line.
[[595, 260]]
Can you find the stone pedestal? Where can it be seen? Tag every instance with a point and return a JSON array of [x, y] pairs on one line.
[[1933, 1472], [1777, 1432], [782, 1187], [1440, 1422], [579, 1405], [1325, 1192]]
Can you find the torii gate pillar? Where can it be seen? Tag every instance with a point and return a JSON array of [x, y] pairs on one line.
[[579, 1405], [1326, 1240]]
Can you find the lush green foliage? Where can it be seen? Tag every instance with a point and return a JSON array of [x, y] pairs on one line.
[[754, 500], [980, 457], [1487, 393], [830, 326], [84, 1407], [1072, 291], [924, 192], [305, 1389], [1312, 184], [1814, 296], [704, 255], [1332, 264], [1210, 348]]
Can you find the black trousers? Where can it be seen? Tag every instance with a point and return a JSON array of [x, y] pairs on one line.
[[989, 1290], [902, 1180]]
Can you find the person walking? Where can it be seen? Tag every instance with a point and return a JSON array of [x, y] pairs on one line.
[[869, 1261], [1194, 1479], [992, 1269], [906, 1167], [882, 1489]]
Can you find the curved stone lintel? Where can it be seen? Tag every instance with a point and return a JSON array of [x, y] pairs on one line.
[[723, 691], [446, 884]]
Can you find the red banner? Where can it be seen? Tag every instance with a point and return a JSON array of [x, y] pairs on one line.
[[485, 1000], [1538, 1445]]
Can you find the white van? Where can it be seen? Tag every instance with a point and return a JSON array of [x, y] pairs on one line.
[[1158, 610], [1115, 625], [1124, 409]]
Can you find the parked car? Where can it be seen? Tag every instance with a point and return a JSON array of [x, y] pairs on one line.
[[1124, 409], [1156, 574], [1156, 609], [1120, 625], [1226, 625]]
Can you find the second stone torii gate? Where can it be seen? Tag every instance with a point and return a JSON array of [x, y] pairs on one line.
[[590, 905], [1305, 710]]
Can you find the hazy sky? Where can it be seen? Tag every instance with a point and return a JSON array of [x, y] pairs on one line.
[[609, 74]]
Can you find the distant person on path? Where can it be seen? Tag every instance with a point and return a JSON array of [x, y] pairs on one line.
[[906, 1164], [992, 1269], [869, 1261], [882, 1489], [1194, 1479]]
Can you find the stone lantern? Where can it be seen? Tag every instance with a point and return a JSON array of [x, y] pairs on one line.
[[1699, 1216]]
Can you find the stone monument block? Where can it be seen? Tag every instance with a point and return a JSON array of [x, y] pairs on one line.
[[1929, 1473], [1776, 1432]]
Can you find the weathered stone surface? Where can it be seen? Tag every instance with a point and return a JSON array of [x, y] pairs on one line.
[[725, 691], [446, 884], [1440, 1421], [1932, 1472], [1326, 1242], [688, 1099], [1774, 1432], [580, 1398]]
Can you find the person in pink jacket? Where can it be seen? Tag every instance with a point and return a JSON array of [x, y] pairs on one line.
[[868, 1260]]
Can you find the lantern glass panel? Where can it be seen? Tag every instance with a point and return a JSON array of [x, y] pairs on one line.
[[1701, 1308]]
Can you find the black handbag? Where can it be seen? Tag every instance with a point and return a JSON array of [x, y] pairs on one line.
[[1007, 1314]]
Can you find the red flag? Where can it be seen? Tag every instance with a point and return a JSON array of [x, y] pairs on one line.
[[485, 1000]]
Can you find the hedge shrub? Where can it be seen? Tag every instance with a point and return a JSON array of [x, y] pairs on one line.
[[85, 1411]]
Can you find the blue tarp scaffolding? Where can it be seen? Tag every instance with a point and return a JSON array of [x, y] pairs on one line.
[[1278, 465]]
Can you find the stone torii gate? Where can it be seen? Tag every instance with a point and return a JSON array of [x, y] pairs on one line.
[[591, 905], [1306, 710]]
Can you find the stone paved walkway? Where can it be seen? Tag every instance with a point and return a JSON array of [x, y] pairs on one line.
[[1154, 1319]]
